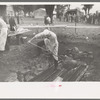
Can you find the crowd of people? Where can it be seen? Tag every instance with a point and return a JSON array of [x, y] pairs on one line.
[[88, 18], [71, 18], [91, 18]]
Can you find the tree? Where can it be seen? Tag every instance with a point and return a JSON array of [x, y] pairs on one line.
[[49, 11], [31, 8], [3, 12], [87, 8], [28, 8], [18, 8], [60, 9]]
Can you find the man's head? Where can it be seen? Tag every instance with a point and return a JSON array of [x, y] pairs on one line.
[[47, 33]]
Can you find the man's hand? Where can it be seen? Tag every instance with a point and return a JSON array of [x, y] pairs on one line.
[[29, 41]]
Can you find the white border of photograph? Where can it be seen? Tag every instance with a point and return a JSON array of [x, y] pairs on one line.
[[58, 90], [72, 90]]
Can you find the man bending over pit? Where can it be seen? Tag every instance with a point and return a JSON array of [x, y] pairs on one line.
[[49, 39]]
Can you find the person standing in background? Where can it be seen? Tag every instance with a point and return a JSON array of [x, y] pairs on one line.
[[3, 34], [47, 20], [17, 16], [12, 23]]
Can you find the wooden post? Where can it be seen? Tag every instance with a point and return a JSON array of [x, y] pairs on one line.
[[75, 26], [75, 22]]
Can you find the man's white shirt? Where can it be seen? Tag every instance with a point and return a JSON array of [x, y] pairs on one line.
[[50, 40]]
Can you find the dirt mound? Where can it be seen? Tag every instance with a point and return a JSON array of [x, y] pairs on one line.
[[40, 64]]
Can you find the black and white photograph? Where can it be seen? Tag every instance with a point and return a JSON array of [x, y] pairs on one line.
[[50, 42]]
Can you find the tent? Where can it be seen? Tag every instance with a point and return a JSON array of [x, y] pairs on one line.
[[39, 13]]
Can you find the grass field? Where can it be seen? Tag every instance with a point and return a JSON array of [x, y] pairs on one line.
[[22, 56]]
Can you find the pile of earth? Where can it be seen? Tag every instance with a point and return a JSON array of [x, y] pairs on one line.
[[71, 59]]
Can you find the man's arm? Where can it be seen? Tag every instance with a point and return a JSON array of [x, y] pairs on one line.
[[42, 35]]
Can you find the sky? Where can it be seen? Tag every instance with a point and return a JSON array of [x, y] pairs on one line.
[[93, 10]]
